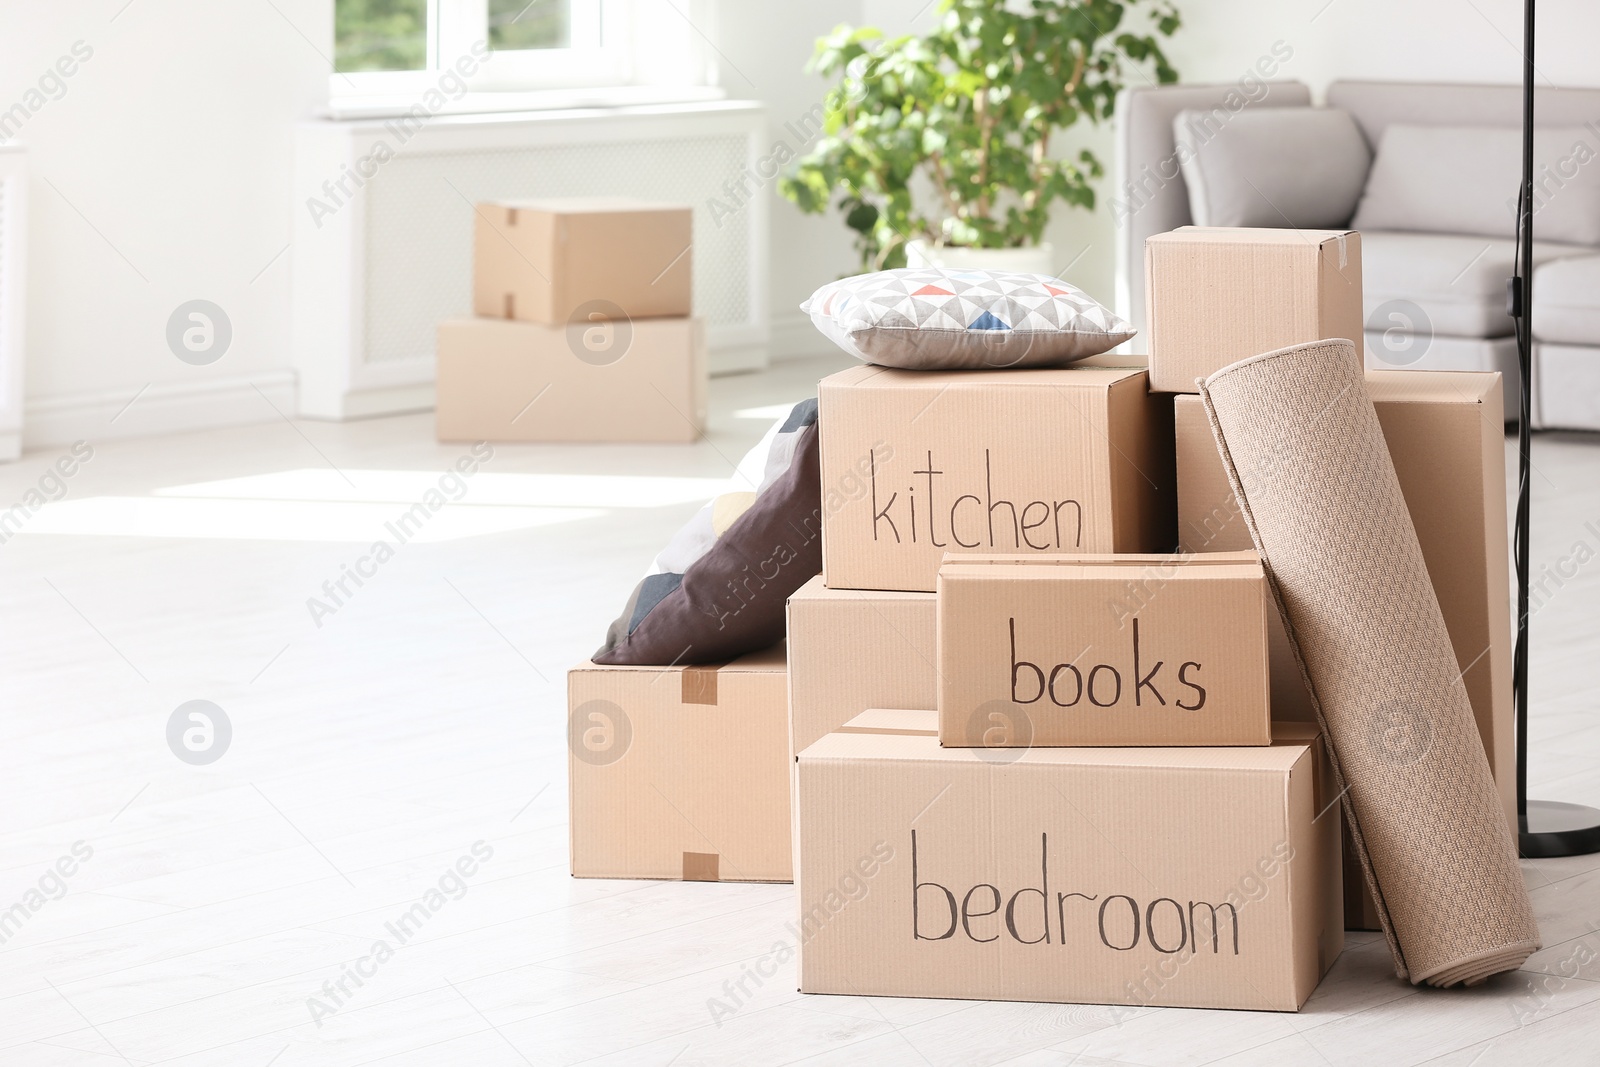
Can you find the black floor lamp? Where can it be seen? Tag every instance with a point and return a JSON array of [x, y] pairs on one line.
[[1548, 828]]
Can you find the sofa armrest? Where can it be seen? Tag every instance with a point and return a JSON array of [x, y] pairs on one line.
[[1150, 195]]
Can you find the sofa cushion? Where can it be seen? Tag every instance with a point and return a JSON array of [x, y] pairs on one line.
[[1464, 180], [1458, 282], [1566, 386], [1566, 301], [1287, 166]]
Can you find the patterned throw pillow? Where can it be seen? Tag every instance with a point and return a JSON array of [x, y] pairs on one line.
[[719, 587], [941, 318]]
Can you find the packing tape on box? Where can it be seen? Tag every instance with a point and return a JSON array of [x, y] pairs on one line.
[[1317, 489], [700, 685], [702, 867]]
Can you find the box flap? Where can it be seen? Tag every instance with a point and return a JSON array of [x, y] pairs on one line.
[[901, 735], [589, 205], [1431, 386], [817, 590], [1246, 235], [1101, 559], [1294, 733], [1132, 361], [768, 660], [775, 658], [1077, 571], [1074, 377], [889, 721]]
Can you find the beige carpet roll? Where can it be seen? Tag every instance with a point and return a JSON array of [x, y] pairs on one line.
[[1317, 488]]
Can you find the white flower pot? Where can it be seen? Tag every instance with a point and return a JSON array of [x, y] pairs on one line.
[[1037, 260]]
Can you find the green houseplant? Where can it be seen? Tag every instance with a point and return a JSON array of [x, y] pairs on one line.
[[944, 140]]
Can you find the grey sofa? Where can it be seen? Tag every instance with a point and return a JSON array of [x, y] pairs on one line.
[[1457, 281]]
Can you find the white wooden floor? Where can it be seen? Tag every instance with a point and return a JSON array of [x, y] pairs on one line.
[[425, 715]]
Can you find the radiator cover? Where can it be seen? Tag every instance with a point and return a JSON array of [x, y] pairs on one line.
[[383, 230]]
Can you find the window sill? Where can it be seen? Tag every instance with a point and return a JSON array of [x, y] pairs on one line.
[[341, 108]]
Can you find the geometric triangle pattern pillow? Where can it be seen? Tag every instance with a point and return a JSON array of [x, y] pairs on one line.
[[719, 588], [942, 318]]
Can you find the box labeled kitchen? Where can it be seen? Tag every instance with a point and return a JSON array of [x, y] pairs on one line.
[[681, 772], [1192, 877], [1218, 295], [580, 260], [1103, 650], [1446, 437], [916, 464], [639, 380], [855, 649]]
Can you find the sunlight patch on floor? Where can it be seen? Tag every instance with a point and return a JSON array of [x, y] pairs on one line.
[[320, 504]]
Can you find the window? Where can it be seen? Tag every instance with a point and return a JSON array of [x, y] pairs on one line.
[[380, 35], [514, 24], [400, 47]]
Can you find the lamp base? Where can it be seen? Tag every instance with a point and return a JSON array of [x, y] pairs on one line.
[[1552, 828]]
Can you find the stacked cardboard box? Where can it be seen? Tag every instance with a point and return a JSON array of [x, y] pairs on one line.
[[1036, 741], [1044, 729], [582, 327], [1222, 295], [1448, 445], [1200, 877], [680, 772]]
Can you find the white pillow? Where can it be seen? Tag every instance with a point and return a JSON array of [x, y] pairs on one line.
[[943, 318], [1300, 167], [1464, 179]]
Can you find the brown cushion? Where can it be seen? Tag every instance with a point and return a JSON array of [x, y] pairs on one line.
[[731, 600]]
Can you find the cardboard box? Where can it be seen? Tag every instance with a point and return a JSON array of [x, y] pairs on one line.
[[958, 874], [681, 772], [626, 381], [1216, 296], [919, 463], [556, 261], [1108, 650], [855, 649], [1447, 439]]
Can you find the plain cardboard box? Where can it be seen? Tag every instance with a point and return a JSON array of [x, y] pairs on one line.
[[956, 874], [1108, 650], [643, 380], [553, 261], [681, 772], [1219, 295], [1447, 438], [855, 649], [919, 463]]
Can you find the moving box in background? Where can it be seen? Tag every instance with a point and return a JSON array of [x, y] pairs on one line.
[[1216, 296], [855, 649], [1122, 650], [643, 380], [1445, 433], [1197, 877], [921, 463], [681, 772], [553, 261]]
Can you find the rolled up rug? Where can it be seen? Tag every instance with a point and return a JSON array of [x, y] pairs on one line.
[[1317, 488]]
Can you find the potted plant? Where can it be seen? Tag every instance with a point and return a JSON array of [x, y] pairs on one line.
[[939, 146]]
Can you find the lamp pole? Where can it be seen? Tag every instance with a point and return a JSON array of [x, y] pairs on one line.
[[1546, 828]]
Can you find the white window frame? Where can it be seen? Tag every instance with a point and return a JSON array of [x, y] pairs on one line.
[[606, 35]]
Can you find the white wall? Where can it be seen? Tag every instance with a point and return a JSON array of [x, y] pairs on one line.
[[160, 175], [767, 46]]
